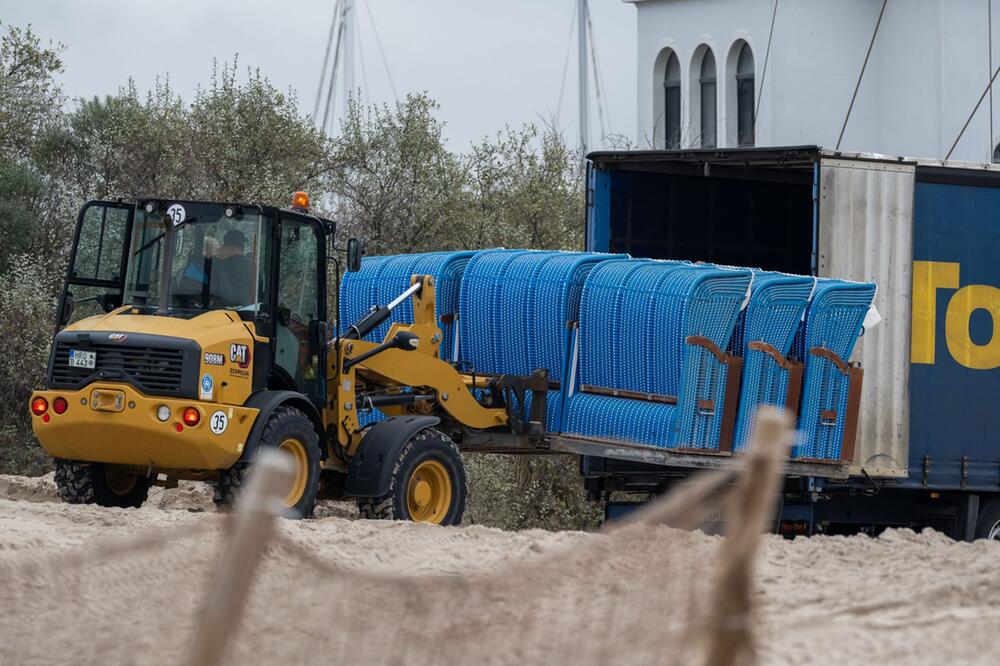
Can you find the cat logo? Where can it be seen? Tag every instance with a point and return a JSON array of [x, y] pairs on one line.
[[118, 337], [240, 355]]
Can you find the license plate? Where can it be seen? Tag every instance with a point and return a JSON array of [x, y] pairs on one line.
[[82, 359]]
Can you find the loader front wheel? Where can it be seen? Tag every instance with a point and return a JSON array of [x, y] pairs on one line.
[[427, 483], [289, 432], [100, 483]]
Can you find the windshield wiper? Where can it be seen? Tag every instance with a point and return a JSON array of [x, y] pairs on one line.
[[156, 239]]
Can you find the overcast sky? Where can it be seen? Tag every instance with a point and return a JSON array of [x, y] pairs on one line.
[[489, 63]]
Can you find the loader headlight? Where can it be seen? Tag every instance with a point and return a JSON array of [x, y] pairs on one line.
[[163, 413]]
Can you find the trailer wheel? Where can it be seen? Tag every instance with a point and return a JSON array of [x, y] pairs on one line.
[[291, 433], [100, 483], [988, 525], [427, 483]]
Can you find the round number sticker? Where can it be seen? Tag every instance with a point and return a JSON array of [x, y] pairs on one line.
[[177, 214], [218, 423]]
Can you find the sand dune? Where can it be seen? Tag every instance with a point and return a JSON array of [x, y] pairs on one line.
[[330, 589]]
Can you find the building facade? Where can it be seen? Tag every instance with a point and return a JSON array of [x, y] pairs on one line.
[[702, 80]]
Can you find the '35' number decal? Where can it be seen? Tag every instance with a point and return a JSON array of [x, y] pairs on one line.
[[218, 422]]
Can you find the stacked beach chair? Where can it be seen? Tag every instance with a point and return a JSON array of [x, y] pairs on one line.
[[652, 369], [517, 310], [825, 342], [667, 354], [764, 333]]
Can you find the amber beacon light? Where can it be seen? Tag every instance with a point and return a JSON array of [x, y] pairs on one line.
[[300, 201]]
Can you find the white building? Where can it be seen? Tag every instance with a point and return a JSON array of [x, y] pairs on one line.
[[701, 69]]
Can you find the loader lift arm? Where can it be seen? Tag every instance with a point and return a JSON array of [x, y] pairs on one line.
[[408, 360]]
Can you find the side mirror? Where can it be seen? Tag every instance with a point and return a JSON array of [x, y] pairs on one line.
[[406, 341], [353, 255], [317, 336], [67, 309], [108, 301]]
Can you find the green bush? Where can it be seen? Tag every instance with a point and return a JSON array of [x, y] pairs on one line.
[[27, 318], [524, 492]]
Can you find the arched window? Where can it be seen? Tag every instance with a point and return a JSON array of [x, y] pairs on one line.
[[672, 102], [745, 97], [996, 154], [708, 110]]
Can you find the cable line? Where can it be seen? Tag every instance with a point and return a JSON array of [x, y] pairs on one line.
[[989, 21], [330, 96], [862, 74], [326, 60], [989, 87], [378, 42], [763, 74], [597, 80], [364, 70], [569, 46]]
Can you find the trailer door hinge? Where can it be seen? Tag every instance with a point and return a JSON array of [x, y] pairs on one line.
[[927, 470]]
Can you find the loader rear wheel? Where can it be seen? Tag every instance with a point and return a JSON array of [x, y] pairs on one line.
[[427, 483], [291, 433], [100, 483]]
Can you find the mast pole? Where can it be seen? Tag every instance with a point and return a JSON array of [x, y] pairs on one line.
[[581, 31]]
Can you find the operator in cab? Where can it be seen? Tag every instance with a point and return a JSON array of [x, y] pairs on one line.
[[232, 271]]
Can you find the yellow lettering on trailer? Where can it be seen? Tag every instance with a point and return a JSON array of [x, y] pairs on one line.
[[928, 277], [956, 326]]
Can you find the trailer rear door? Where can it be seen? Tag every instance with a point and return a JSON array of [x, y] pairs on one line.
[[865, 233]]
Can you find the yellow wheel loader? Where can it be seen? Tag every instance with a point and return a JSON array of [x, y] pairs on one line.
[[193, 335]]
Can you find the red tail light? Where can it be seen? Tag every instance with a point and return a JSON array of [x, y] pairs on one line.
[[39, 406], [59, 405], [191, 417]]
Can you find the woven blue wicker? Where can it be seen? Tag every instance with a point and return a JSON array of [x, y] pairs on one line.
[[772, 315], [635, 317], [833, 320], [359, 291], [516, 307], [381, 279]]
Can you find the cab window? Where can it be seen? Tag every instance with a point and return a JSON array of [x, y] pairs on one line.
[[299, 306], [94, 283]]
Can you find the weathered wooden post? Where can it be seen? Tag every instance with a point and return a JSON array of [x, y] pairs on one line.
[[751, 510], [256, 510]]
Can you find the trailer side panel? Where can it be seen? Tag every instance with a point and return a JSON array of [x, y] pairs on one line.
[[955, 355]]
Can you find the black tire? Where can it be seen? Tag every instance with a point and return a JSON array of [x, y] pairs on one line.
[[101, 484], [988, 524], [427, 446], [284, 424]]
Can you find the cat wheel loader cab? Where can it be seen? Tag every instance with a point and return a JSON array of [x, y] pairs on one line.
[[193, 335]]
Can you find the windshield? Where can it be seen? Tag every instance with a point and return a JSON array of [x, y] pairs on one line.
[[217, 261]]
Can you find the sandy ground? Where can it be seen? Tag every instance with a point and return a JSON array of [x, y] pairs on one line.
[[334, 588]]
